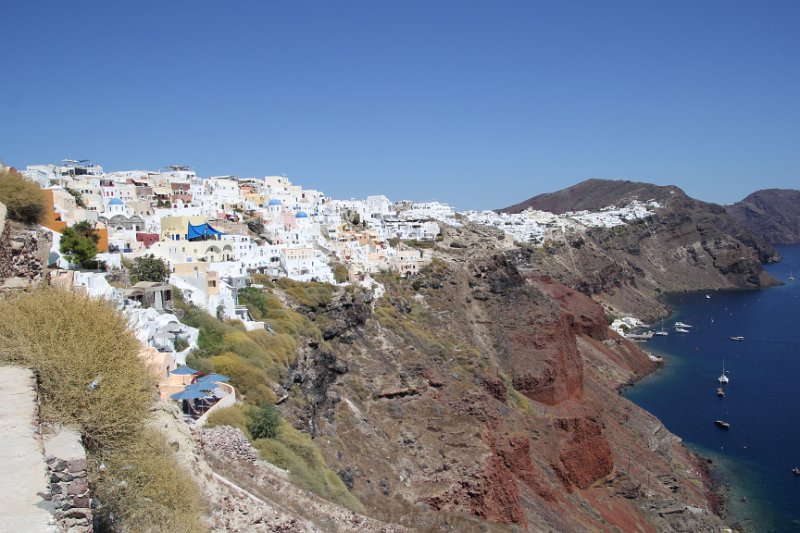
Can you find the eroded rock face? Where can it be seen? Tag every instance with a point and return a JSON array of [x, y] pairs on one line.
[[482, 395], [585, 454]]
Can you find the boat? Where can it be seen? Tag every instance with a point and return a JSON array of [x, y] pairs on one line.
[[722, 424], [796, 471], [708, 296], [723, 378], [682, 325], [791, 276], [720, 392], [646, 336], [662, 333], [681, 330], [739, 338]]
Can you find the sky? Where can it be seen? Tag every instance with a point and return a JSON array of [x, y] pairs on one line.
[[481, 104]]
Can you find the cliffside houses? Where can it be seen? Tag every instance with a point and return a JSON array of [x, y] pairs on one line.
[[214, 230], [534, 227]]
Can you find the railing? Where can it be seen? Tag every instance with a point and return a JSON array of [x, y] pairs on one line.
[[226, 401]]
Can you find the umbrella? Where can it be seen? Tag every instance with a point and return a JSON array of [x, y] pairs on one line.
[[214, 378], [201, 387], [183, 371], [187, 395]]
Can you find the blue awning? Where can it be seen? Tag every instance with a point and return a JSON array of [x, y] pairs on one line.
[[184, 371], [202, 230]]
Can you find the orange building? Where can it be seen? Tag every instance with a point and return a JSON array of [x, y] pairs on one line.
[[51, 219]]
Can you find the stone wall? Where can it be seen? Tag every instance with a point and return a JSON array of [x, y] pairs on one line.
[[69, 481], [23, 255]]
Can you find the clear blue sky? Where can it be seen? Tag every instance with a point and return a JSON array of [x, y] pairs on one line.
[[482, 104]]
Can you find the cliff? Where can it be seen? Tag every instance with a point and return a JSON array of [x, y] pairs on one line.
[[772, 214], [482, 396], [685, 245]]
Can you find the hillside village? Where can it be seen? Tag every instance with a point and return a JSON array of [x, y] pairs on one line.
[[216, 233]]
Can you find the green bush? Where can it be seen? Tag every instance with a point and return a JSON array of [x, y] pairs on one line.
[[233, 416], [311, 294], [251, 382], [149, 268], [23, 197], [79, 244], [340, 273], [263, 422]]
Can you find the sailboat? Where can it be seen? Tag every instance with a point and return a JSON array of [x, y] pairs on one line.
[[791, 276], [723, 378], [662, 332]]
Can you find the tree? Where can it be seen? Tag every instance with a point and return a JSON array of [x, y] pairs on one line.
[[263, 422], [22, 197], [149, 268], [79, 244]]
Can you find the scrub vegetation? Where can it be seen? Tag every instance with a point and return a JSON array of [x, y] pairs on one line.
[[256, 361], [91, 378], [22, 197]]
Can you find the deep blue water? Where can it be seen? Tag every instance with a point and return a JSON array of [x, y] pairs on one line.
[[762, 400]]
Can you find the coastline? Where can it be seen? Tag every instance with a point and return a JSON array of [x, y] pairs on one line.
[[744, 501]]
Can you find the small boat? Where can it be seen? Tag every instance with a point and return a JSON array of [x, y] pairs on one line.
[[737, 338], [796, 471], [682, 325], [681, 330], [708, 296], [646, 336], [723, 378], [791, 276], [722, 424], [720, 392], [662, 333]]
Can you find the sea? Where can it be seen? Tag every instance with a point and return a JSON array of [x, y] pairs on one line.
[[755, 457]]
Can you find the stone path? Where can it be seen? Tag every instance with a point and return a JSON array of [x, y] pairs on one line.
[[23, 471]]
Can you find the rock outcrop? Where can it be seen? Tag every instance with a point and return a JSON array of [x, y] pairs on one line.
[[771, 214]]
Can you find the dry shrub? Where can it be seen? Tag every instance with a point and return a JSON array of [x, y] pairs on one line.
[[145, 490], [73, 342], [22, 197], [91, 378]]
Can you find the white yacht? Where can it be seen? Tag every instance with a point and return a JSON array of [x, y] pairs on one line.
[[682, 325], [723, 378], [681, 330], [662, 333]]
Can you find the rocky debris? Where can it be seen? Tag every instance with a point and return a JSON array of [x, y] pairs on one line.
[[69, 481], [23, 253], [229, 442]]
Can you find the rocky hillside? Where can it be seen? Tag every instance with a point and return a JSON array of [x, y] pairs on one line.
[[771, 214], [685, 245], [482, 396]]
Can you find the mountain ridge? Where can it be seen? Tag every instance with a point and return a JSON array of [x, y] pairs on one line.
[[771, 214]]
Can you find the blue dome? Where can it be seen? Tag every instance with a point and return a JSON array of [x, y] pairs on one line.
[[275, 201], [115, 201], [301, 214]]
